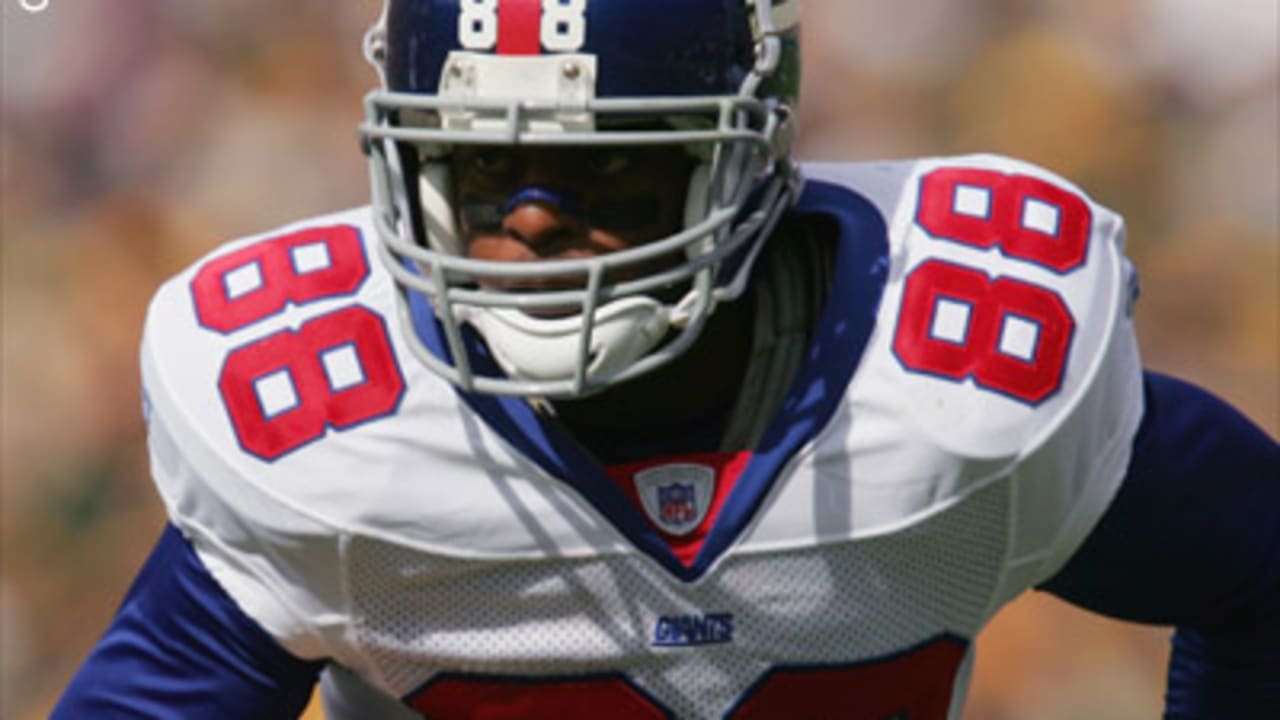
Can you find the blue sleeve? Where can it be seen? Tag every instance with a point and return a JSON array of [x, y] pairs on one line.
[[179, 647], [1192, 539]]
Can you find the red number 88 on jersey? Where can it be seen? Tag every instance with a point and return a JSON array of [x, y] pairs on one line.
[[1007, 335], [335, 370]]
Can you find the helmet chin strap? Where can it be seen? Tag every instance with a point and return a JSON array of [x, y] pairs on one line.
[[529, 347]]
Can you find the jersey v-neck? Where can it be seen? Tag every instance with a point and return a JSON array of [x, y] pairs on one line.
[[844, 327]]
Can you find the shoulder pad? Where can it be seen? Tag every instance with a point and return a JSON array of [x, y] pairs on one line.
[[1003, 351], [1007, 286], [270, 340], [288, 415], [257, 350]]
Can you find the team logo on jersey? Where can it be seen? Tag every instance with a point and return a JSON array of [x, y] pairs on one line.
[[676, 497], [691, 630]]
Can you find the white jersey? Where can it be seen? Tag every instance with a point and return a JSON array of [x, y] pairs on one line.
[[964, 419]]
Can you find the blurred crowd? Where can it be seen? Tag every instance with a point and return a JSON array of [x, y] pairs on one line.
[[138, 134]]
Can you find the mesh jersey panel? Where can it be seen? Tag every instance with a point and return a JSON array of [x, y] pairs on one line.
[[416, 614]]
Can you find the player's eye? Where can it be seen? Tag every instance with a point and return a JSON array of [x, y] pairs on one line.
[[494, 163], [608, 163]]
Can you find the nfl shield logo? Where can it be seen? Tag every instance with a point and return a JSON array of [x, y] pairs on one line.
[[676, 497], [675, 503]]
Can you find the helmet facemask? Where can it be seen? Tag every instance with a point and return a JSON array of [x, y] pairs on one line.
[[569, 327]]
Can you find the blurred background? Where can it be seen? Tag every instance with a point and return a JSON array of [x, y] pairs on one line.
[[138, 134]]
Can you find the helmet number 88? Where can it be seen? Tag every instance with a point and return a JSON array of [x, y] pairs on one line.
[[522, 27]]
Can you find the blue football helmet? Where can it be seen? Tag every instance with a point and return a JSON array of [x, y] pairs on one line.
[[716, 78]]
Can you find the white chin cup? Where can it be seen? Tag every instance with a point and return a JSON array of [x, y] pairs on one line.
[[533, 348]]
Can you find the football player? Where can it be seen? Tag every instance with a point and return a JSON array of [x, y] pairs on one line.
[[607, 408]]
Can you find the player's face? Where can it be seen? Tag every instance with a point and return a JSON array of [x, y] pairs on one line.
[[523, 204]]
